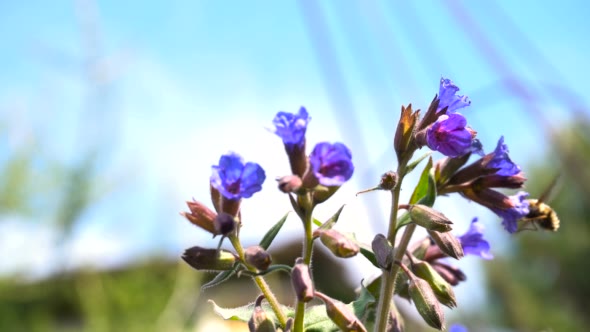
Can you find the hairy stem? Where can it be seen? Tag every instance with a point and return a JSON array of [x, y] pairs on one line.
[[307, 251], [260, 282]]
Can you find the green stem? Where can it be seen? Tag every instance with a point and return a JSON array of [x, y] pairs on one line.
[[307, 251], [260, 282]]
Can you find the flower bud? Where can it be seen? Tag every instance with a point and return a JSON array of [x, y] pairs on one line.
[[500, 181], [426, 303], [442, 290], [260, 322], [322, 193], [383, 251], [429, 218], [258, 257], [289, 325], [452, 274], [341, 315], [447, 243], [339, 245], [301, 281], [209, 259], [405, 129], [389, 180], [445, 168], [200, 216], [224, 223], [290, 183], [395, 323]]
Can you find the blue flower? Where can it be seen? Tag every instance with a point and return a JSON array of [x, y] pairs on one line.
[[501, 160], [473, 242], [291, 127], [234, 179], [449, 135], [458, 328], [448, 98], [331, 163], [519, 210]]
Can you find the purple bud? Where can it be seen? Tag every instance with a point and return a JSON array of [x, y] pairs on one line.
[[501, 161], [447, 94], [473, 242], [449, 135], [291, 127], [258, 257], [519, 210], [235, 179], [331, 163]]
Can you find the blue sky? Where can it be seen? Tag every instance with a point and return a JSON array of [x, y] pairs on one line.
[[182, 82]]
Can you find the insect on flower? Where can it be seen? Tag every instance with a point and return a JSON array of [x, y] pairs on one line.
[[541, 214]]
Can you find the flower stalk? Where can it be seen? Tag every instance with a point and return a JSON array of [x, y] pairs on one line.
[[305, 200]]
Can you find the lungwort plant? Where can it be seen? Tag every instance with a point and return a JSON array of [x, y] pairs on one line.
[[418, 271]]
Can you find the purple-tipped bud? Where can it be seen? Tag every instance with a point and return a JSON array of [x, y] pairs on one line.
[[339, 244], [446, 245], [383, 251], [450, 136], [519, 209], [447, 95], [290, 184], [258, 257], [501, 162], [499, 181], [341, 315], [209, 259], [201, 216], [429, 218], [404, 132], [452, 274], [301, 281], [473, 242], [331, 163], [441, 288], [291, 129], [388, 180], [224, 223], [235, 179], [260, 322]]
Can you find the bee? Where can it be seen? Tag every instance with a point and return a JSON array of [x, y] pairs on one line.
[[541, 214]]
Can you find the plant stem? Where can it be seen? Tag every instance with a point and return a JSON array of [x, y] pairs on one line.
[[307, 251], [260, 282]]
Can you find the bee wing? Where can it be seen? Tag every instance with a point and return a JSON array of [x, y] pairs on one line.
[[550, 190]]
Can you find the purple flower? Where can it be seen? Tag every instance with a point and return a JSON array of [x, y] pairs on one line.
[[458, 328], [501, 160], [234, 179], [448, 98], [511, 216], [473, 242], [449, 136], [291, 127], [331, 163]]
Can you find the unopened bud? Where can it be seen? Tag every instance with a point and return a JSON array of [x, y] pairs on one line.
[[447, 243], [289, 183], [341, 315], [442, 290], [258, 257], [429, 218], [200, 216], [289, 325], [339, 244], [426, 303], [260, 322], [383, 251], [452, 274], [209, 259], [405, 129], [389, 180], [500, 181], [322, 193], [395, 323], [301, 281], [224, 223]]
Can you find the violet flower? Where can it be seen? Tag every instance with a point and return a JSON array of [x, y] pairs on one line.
[[449, 135], [291, 127], [501, 160], [331, 163], [448, 98], [235, 179], [458, 328], [473, 242], [511, 216]]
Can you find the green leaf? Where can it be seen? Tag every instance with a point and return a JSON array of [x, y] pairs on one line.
[[415, 163], [221, 277], [317, 320], [244, 313], [332, 221], [272, 268], [272, 233], [364, 307], [422, 189], [430, 196], [368, 253]]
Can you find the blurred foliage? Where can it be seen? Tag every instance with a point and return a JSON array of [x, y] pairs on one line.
[[543, 284]]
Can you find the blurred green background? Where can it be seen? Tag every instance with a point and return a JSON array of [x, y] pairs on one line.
[[112, 113]]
